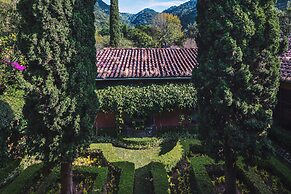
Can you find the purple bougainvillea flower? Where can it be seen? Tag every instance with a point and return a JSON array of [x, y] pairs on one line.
[[17, 66]]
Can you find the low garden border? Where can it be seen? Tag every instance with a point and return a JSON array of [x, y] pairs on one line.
[[25, 179], [160, 178], [126, 179]]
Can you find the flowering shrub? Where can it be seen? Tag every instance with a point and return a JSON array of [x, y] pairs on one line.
[[10, 61]]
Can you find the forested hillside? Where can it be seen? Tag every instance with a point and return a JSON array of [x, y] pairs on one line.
[[186, 12]]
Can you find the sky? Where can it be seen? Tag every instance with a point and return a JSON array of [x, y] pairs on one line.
[[134, 6]]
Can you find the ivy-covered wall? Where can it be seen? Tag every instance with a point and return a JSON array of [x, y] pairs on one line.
[[137, 102], [283, 108]]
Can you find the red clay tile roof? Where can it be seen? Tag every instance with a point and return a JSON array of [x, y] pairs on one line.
[[286, 65], [140, 63], [115, 63]]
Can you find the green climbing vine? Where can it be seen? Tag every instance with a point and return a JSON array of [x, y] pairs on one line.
[[140, 101]]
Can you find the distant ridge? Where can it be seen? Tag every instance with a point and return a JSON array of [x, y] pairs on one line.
[[186, 12]]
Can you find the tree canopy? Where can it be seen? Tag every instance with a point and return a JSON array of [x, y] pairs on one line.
[[168, 29], [115, 34], [57, 37], [238, 77]]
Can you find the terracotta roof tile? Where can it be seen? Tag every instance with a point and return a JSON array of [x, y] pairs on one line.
[[286, 64], [145, 62], [159, 63]]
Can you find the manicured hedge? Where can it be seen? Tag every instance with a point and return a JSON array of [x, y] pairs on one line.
[[279, 169], [160, 178], [49, 181], [85, 169], [171, 158], [126, 179], [4, 172], [252, 179], [100, 181], [281, 136], [203, 181], [24, 180]]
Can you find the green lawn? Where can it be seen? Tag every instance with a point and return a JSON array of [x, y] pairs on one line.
[[168, 153]]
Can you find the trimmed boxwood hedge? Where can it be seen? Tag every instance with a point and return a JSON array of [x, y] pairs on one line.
[[126, 179], [4, 172], [49, 181], [160, 178], [100, 181], [279, 169], [203, 181], [85, 169], [171, 158], [252, 179], [24, 180], [281, 136]]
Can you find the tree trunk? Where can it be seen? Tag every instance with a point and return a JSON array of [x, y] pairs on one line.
[[66, 178], [230, 171]]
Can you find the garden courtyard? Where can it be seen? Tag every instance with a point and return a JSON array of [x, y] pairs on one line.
[[173, 162], [96, 101]]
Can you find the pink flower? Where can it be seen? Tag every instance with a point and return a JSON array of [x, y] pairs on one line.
[[17, 66]]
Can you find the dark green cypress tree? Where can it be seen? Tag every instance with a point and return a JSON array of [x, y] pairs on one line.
[[115, 34], [57, 37], [238, 77]]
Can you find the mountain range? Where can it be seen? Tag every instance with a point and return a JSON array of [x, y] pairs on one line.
[[186, 12]]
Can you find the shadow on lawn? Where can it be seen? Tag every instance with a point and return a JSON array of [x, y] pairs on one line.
[[167, 146]]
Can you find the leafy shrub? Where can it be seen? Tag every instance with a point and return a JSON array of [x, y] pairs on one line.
[[182, 178], [100, 180], [203, 181], [160, 178], [139, 37], [126, 180], [253, 180], [24, 180], [11, 118]]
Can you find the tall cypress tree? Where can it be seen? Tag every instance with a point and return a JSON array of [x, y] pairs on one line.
[[237, 78], [115, 34], [57, 37]]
